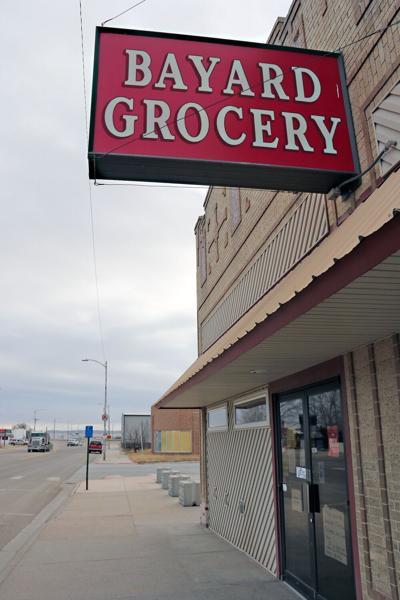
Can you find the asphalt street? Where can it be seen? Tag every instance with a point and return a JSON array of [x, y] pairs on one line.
[[29, 481]]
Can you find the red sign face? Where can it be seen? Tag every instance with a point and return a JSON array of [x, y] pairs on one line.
[[173, 108]]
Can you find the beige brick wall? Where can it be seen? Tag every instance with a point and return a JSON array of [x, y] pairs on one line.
[[372, 68], [374, 417], [260, 215]]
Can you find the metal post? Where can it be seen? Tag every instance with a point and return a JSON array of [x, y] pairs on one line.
[[87, 465], [105, 411]]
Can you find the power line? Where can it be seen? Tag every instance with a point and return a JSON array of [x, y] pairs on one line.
[[84, 73], [90, 193], [223, 100], [123, 12], [368, 35]]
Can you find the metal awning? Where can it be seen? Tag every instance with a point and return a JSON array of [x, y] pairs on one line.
[[346, 293]]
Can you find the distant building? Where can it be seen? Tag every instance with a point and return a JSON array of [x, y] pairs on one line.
[[176, 430], [5, 434], [136, 430]]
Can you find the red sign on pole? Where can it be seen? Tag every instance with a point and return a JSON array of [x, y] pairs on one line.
[[198, 110]]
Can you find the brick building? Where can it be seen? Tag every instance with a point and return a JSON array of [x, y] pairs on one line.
[[298, 374], [175, 430]]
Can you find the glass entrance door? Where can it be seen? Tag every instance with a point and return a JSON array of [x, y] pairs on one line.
[[314, 499]]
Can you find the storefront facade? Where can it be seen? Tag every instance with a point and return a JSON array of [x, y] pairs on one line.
[[298, 374]]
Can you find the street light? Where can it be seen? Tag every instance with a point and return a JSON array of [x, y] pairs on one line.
[[104, 417]]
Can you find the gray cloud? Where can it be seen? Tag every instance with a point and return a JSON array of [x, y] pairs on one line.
[[144, 236]]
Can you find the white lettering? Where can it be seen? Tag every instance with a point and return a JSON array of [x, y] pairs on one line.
[[134, 66], [204, 73], [272, 82], [129, 119], [301, 97], [221, 125], [153, 121], [171, 70], [260, 127], [298, 133], [181, 125], [327, 134], [238, 77]]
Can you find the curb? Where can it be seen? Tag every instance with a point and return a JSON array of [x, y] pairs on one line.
[[9, 555]]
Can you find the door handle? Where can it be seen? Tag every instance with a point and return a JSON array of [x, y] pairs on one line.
[[313, 498]]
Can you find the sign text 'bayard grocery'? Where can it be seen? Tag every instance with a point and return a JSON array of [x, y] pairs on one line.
[[171, 108]]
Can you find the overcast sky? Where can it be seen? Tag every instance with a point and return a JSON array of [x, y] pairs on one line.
[[144, 237]]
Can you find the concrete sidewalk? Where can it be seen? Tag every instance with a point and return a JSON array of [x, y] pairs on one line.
[[127, 539], [114, 456]]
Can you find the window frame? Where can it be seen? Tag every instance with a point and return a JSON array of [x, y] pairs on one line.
[[383, 174], [251, 425], [221, 427]]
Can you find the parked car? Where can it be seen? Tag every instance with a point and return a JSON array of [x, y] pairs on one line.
[[18, 442], [72, 442], [95, 446]]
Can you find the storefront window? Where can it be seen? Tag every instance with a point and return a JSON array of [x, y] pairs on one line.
[[217, 418], [251, 413]]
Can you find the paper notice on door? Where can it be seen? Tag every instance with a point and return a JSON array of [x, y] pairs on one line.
[[333, 440], [334, 534], [297, 500]]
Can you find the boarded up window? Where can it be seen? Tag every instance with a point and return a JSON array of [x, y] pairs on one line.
[[202, 255], [236, 213], [386, 119], [360, 7], [173, 441]]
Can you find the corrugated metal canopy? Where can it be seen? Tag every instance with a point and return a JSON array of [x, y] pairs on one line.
[[350, 296]]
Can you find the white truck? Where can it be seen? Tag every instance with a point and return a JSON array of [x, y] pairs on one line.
[[39, 441], [19, 437]]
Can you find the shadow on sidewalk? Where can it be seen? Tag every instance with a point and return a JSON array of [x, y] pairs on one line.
[[127, 539]]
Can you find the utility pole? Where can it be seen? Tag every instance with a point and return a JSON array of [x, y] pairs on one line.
[[105, 409], [54, 429], [109, 425]]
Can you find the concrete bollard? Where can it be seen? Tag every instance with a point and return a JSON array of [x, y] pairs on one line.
[[163, 473], [189, 493], [159, 473], [196, 493], [174, 480], [165, 478]]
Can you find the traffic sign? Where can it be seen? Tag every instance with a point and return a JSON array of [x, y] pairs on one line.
[[89, 431]]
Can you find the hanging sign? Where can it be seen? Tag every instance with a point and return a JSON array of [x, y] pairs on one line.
[[186, 109]]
